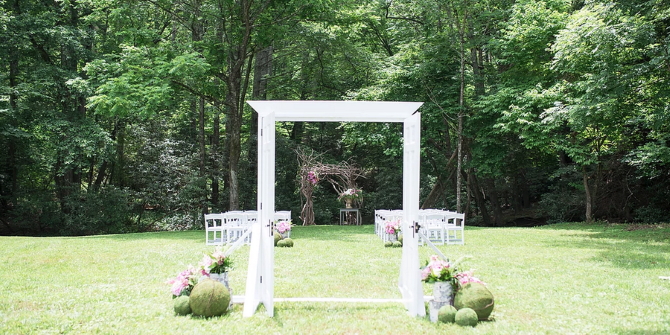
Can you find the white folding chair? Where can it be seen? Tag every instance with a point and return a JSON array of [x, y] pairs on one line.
[[251, 217], [455, 226], [433, 226], [380, 218], [235, 225], [215, 232]]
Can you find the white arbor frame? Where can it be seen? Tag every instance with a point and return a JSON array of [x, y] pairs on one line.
[[260, 277]]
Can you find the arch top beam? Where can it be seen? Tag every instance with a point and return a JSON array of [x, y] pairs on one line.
[[336, 111]]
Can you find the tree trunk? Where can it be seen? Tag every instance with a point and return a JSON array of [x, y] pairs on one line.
[[215, 156], [589, 200], [201, 135], [475, 189], [495, 203]]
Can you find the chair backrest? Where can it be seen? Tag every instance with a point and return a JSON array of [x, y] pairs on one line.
[[455, 219], [434, 219], [214, 220], [282, 215], [251, 217], [235, 218]]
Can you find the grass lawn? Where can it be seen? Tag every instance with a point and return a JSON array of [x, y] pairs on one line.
[[557, 279]]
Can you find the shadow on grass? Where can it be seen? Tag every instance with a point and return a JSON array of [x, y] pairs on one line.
[[165, 235], [624, 246]]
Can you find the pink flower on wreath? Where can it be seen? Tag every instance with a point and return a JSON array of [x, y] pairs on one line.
[[312, 177]]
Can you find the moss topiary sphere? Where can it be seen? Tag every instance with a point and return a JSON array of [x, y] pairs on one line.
[[466, 317], [400, 238], [277, 238], [288, 242], [477, 297], [209, 298], [281, 243], [397, 244], [388, 244], [181, 305], [446, 314]]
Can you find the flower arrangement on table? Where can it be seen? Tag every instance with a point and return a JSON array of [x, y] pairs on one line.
[[350, 195], [212, 263]]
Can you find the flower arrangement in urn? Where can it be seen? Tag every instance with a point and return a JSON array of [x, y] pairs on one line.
[[437, 270], [283, 226], [449, 282], [216, 262], [213, 263], [185, 281], [350, 195], [393, 227]]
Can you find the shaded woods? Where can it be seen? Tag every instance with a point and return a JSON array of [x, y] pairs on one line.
[[120, 116]]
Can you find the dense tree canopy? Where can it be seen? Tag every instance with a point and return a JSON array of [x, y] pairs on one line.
[[120, 116]]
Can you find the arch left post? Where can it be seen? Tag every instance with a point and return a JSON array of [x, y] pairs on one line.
[[260, 276]]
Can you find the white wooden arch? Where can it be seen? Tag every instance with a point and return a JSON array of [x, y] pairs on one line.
[[260, 277]]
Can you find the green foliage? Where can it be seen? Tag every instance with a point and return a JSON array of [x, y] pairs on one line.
[[97, 212]]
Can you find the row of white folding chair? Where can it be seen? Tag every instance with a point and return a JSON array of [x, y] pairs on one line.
[[449, 229], [237, 223], [215, 233], [229, 226], [382, 217]]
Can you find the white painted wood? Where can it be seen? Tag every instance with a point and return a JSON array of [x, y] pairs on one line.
[[260, 277], [239, 299], [260, 274], [410, 276], [337, 111]]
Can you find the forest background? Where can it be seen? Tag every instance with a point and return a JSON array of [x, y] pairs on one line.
[[125, 116]]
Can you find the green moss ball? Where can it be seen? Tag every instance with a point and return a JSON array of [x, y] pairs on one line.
[[388, 244], [446, 314], [209, 298], [288, 242], [477, 297], [181, 305], [400, 238], [277, 238], [466, 317], [397, 244], [281, 243]]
